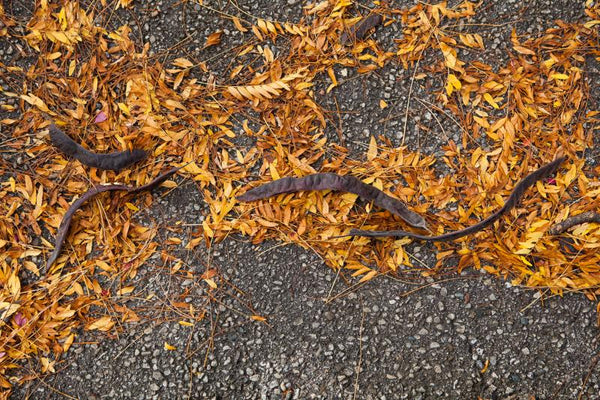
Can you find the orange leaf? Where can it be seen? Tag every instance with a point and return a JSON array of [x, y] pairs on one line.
[[523, 50], [213, 39]]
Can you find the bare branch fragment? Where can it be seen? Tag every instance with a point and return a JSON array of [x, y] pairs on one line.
[[570, 222]]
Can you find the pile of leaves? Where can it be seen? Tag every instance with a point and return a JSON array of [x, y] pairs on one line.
[[109, 93]]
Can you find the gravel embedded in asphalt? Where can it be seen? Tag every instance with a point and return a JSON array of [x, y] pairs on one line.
[[462, 337]]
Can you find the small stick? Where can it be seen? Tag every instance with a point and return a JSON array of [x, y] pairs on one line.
[[570, 222]]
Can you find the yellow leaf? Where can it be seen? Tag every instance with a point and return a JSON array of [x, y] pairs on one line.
[[68, 342], [173, 104], [525, 261], [14, 285], [273, 171], [372, 152], [207, 229], [334, 81], [523, 50], [61, 37], [488, 97], [66, 313], [102, 324], [303, 85], [183, 63], [383, 104], [559, 76], [131, 207], [238, 24], [7, 309], [549, 62], [185, 323], [211, 283], [368, 276], [258, 318], [38, 203], [454, 81], [200, 174], [481, 121], [35, 101], [213, 39], [123, 107], [169, 347], [103, 265], [173, 240], [62, 18], [47, 365], [125, 290], [262, 25], [449, 55], [268, 224], [570, 175]]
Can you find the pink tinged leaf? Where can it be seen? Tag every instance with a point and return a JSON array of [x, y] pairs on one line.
[[551, 181], [20, 319], [101, 117], [2, 354]]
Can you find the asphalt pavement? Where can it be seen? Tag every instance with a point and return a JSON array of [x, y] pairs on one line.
[[460, 337]]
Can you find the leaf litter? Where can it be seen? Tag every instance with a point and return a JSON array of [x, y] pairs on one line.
[[99, 83]]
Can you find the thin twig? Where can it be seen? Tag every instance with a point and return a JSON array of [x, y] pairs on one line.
[[360, 350]]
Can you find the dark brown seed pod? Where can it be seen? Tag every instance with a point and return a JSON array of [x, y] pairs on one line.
[[110, 161], [511, 202], [360, 29], [63, 229], [343, 183]]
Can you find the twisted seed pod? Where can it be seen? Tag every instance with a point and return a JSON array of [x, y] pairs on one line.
[[511, 202], [63, 229]]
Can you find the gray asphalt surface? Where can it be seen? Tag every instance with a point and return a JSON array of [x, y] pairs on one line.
[[326, 339]]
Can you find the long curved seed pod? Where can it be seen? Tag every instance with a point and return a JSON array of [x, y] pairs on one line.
[[331, 181], [511, 202], [112, 161], [63, 229]]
